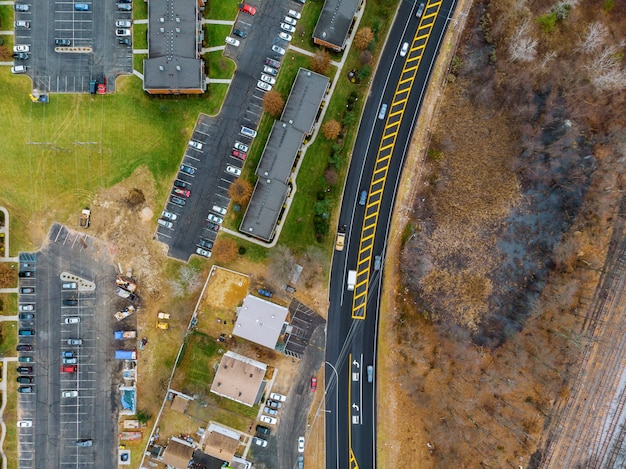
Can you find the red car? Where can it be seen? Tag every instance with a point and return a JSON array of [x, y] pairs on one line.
[[313, 383], [183, 192], [247, 9], [239, 154], [69, 368]]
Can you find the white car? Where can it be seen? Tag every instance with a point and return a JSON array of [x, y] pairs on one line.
[[169, 215], [203, 252], [18, 69], [259, 442], [220, 210], [268, 79], [287, 27], [270, 70], [21, 48], [405, 49], [122, 32], [300, 444], [294, 14], [289, 20], [72, 320], [69, 394], [24, 423], [196, 145], [215, 219], [232, 41], [267, 419], [241, 146], [27, 307], [279, 50], [278, 397], [285, 36], [263, 86], [123, 24], [233, 170]]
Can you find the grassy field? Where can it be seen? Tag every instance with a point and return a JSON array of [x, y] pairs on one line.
[[215, 34], [306, 25], [140, 9], [140, 36], [138, 62], [10, 418], [220, 66], [8, 334], [221, 9]]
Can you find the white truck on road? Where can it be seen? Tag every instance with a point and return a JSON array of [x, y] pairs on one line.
[[351, 279]]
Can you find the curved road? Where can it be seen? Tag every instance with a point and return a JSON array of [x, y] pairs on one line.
[[376, 166]]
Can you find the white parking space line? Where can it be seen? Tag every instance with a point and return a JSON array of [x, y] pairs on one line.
[[163, 234], [260, 98], [192, 157]]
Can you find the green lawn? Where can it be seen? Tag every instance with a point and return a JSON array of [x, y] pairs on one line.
[[138, 62], [140, 36], [306, 25], [215, 34], [8, 304], [8, 337], [221, 9], [219, 66], [140, 9], [10, 418]]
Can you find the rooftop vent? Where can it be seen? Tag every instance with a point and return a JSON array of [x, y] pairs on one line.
[[161, 67], [178, 68], [161, 20]]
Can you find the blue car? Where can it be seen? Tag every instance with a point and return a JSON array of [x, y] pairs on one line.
[[81, 7], [265, 293]]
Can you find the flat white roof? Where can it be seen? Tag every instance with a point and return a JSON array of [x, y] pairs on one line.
[[260, 321]]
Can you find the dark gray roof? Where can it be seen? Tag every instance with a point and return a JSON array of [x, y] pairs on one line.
[[280, 152], [304, 100], [173, 40], [334, 22]]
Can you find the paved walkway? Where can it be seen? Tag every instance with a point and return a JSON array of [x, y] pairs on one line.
[[140, 51], [144, 21], [8, 290], [213, 49], [224, 81], [205, 21], [10, 33], [6, 63]]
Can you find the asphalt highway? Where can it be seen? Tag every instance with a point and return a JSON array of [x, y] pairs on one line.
[[376, 166]]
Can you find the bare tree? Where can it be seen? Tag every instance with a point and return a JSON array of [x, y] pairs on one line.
[[189, 280], [594, 38], [604, 69], [331, 129], [273, 103], [282, 261], [363, 37], [522, 46]]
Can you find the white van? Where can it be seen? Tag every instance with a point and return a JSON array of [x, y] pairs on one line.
[[69, 286], [247, 131]]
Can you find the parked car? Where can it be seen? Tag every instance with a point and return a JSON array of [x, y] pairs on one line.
[[25, 273], [70, 361], [300, 444], [233, 170], [289, 289], [182, 192], [25, 389], [27, 290], [239, 154], [122, 32], [259, 441], [69, 394], [266, 293], [203, 252], [187, 169], [196, 145], [177, 200], [21, 24], [125, 6], [272, 62], [20, 55], [270, 71], [67, 354], [262, 430], [268, 79], [26, 332], [123, 24], [24, 369], [62, 42], [74, 341], [84, 442], [213, 226], [274, 404], [24, 348], [263, 86], [69, 286], [169, 215], [284, 36], [24, 379], [279, 50], [220, 210], [241, 146], [70, 302], [238, 32], [278, 397], [244, 7], [69, 368], [166, 223], [205, 243], [21, 7], [313, 383], [182, 184], [290, 20], [270, 411], [232, 41], [24, 423], [81, 6], [294, 14], [26, 316], [125, 41], [25, 359], [72, 320], [287, 27], [267, 419], [27, 307], [215, 219]]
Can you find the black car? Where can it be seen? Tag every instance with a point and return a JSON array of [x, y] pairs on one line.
[[240, 33], [125, 41], [62, 42], [20, 55], [182, 184], [27, 290], [70, 302], [24, 369], [213, 226], [26, 316], [177, 200], [26, 273], [261, 430], [205, 243], [24, 379], [187, 169], [24, 348]]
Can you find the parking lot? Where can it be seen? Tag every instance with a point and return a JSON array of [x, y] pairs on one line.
[[89, 48], [70, 398], [243, 106]]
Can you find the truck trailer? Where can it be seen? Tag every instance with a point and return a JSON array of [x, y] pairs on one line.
[[351, 279]]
